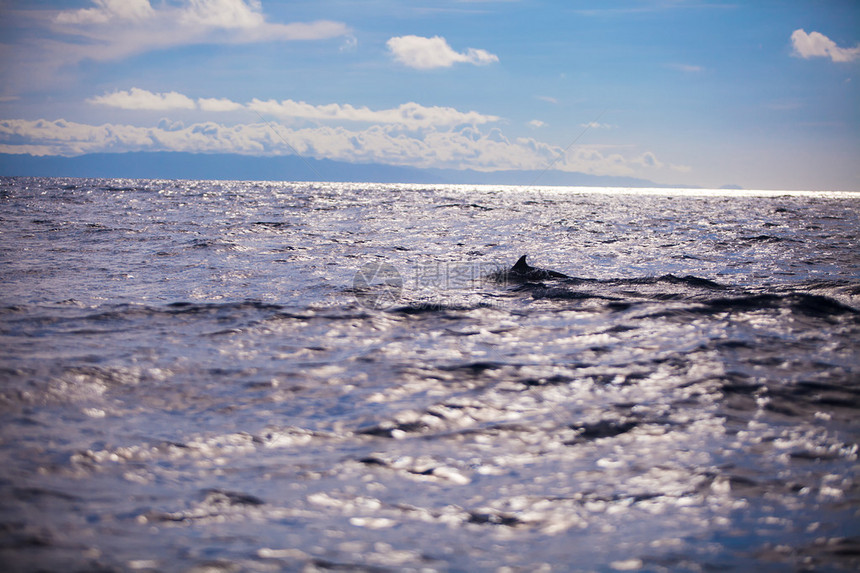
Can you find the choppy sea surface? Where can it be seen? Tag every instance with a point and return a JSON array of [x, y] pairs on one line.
[[239, 376]]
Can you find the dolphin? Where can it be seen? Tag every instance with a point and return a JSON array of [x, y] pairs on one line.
[[522, 271]]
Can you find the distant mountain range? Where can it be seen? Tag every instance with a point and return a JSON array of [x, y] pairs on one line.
[[174, 165]]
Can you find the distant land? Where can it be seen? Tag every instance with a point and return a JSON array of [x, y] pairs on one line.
[[175, 165]]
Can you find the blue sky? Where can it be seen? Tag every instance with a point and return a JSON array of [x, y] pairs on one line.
[[759, 94]]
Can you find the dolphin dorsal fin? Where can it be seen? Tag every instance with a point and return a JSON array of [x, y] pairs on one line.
[[522, 266]]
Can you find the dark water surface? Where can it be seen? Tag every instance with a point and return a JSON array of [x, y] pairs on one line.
[[218, 376]]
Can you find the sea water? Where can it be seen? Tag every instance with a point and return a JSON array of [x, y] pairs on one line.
[[241, 376]]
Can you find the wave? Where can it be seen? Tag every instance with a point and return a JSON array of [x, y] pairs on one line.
[[809, 305], [767, 239], [437, 308], [706, 296]]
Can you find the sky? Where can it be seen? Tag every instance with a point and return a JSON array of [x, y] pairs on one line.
[[760, 94]]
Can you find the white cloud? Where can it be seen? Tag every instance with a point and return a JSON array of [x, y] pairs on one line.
[[686, 68], [648, 159], [138, 99], [596, 125], [547, 99], [218, 104], [817, 45], [349, 44], [428, 53], [536, 123], [223, 14], [466, 147], [408, 115], [108, 11], [115, 29]]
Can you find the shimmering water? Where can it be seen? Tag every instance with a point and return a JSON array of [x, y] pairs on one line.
[[229, 376]]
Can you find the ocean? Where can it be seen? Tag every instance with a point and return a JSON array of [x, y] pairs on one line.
[[261, 376]]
